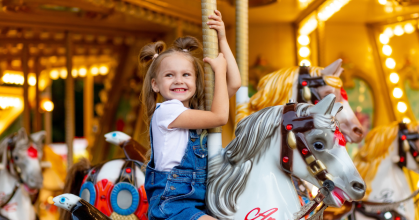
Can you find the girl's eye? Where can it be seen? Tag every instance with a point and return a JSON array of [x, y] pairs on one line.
[[318, 145], [169, 75], [186, 74]]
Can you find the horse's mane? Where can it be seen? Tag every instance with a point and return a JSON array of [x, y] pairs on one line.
[[378, 144], [229, 171], [276, 89]]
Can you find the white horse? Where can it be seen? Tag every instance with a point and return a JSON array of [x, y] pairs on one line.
[[20, 174], [380, 161], [250, 178]]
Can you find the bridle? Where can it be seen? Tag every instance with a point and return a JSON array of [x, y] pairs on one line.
[[307, 86], [377, 209], [405, 141], [292, 137]]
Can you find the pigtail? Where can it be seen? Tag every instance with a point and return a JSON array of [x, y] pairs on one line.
[[147, 55]]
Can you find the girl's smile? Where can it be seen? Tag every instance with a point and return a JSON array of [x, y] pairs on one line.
[[176, 78]]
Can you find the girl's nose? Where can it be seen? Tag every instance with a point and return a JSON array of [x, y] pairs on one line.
[[178, 80]]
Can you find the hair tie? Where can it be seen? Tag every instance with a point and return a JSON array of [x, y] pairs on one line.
[[185, 50], [155, 56]]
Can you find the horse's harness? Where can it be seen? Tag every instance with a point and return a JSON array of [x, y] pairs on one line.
[[292, 129], [406, 144], [11, 166], [307, 86]]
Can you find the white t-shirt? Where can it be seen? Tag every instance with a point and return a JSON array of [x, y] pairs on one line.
[[169, 145]]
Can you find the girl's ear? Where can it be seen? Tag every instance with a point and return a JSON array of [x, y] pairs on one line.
[[154, 85]]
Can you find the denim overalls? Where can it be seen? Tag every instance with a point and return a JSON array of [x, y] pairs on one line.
[[179, 193]]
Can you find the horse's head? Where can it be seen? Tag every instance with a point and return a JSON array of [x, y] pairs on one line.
[[396, 144], [324, 155], [349, 123], [24, 156]]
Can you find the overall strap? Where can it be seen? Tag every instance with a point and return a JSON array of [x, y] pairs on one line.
[[151, 137]]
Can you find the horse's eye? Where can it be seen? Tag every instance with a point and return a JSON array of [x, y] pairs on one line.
[[16, 158], [318, 145], [63, 199]]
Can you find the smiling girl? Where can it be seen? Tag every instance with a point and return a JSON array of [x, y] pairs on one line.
[[177, 171]]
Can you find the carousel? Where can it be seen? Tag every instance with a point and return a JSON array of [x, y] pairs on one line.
[[324, 125]]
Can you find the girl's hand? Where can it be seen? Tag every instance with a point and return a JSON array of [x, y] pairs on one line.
[[217, 24], [219, 64]]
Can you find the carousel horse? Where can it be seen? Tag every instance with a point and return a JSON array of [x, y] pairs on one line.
[[387, 150], [305, 85], [116, 187], [20, 174], [250, 178]]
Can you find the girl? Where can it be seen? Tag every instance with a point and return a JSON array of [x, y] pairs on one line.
[[176, 174]]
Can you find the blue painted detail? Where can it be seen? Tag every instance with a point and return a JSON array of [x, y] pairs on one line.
[[89, 186], [114, 134], [135, 198], [62, 200]]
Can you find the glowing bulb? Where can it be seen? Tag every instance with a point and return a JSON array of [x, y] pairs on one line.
[[304, 52], [384, 39], [94, 70], [54, 74], [406, 120], [303, 40], [47, 106], [63, 73], [32, 79], [408, 28], [74, 73], [305, 62], [82, 72], [389, 32], [390, 63], [103, 70], [402, 107], [382, 2], [394, 78], [397, 93], [398, 30], [387, 50]]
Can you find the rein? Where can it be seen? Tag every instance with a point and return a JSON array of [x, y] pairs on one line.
[[292, 137]]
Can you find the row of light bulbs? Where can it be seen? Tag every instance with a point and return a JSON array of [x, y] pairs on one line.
[[9, 102], [80, 72], [16, 78], [304, 51], [384, 38]]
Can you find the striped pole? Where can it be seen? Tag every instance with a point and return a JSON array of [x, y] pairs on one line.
[[242, 49], [210, 43]]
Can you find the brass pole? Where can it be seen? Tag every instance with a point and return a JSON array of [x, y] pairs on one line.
[[242, 39], [38, 120], [69, 100], [210, 43], [26, 108], [88, 107]]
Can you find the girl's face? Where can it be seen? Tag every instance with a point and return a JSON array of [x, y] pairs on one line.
[[175, 79]]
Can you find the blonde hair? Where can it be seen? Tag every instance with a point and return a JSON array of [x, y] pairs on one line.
[[376, 148], [151, 57], [276, 89]]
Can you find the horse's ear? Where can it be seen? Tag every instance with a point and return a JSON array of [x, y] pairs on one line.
[[337, 107], [325, 106], [333, 69], [21, 135], [38, 137]]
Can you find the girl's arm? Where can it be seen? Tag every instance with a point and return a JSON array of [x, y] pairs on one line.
[[218, 116], [233, 74]]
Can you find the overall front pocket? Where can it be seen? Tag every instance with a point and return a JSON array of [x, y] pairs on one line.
[[201, 157], [175, 196]]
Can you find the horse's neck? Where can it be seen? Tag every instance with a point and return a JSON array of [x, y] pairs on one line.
[[268, 188], [295, 88], [390, 184]]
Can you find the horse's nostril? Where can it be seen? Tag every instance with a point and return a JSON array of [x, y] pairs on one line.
[[358, 186], [358, 131]]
